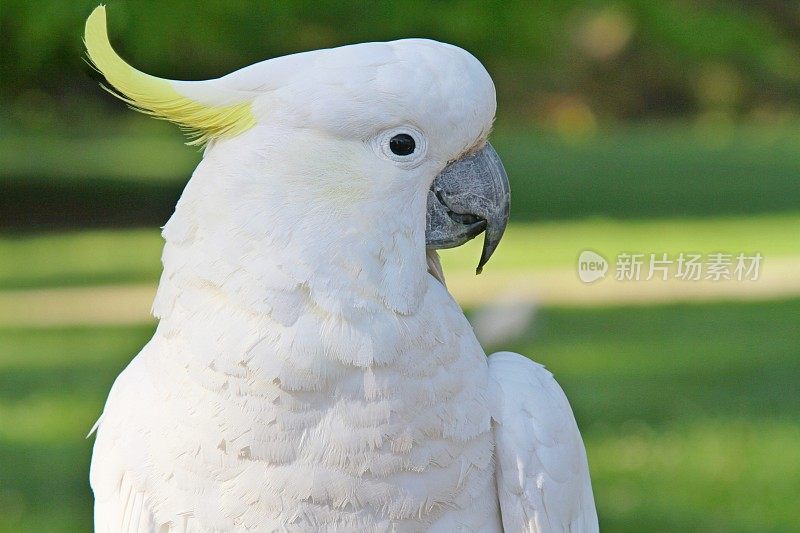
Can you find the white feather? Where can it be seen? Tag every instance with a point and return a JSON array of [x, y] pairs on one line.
[[542, 473]]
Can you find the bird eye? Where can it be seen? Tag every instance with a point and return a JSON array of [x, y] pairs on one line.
[[402, 144]]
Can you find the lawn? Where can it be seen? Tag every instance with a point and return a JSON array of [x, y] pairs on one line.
[[690, 413], [133, 175], [653, 170], [106, 256]]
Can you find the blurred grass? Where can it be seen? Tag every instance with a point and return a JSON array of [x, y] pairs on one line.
[[657, 170], [653, 170], [52, 387], [151, 155], [690, 413], [99, 257], [557, 244], [80, 258]]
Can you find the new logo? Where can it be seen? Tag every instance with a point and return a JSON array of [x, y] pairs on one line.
[[591, 266]]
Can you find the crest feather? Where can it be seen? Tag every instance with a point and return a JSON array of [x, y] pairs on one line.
[[158, 97]]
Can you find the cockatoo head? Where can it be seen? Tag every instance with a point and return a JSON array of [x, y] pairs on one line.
[[353, 140]]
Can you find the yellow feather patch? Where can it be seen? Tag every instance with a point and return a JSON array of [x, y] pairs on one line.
[[156, 96]]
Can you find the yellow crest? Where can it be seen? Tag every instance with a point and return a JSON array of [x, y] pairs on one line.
[[157, 96]]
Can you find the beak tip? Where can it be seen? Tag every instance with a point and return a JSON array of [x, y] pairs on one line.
[[490, 241]]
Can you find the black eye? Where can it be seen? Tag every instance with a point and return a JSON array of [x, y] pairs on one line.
[[402, 144]]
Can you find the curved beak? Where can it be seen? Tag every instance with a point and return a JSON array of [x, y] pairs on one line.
[[469, 196]]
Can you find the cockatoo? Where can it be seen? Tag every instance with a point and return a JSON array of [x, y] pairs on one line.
[[310, 370]]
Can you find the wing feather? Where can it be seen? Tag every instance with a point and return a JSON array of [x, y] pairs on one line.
[[123, 511], [542, 473], [121, 505]]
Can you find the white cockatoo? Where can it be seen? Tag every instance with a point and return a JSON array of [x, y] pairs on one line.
[[310, 370]]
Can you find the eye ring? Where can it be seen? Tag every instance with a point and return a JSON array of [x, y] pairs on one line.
[[405, 145]]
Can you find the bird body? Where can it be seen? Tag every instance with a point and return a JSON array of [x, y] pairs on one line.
[[255, 435], [310, 370]]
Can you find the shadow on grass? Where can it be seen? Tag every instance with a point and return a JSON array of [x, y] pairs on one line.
[[40, 204]]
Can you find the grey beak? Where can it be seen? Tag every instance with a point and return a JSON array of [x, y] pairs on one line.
[[469, 196]]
